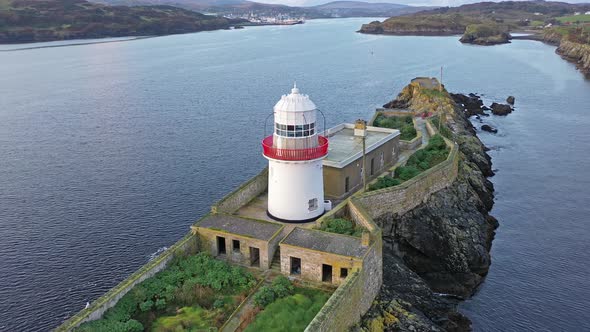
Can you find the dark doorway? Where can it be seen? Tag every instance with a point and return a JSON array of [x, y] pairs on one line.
[[295, 265], [346, 184], [326, 273], [372, 166], [221, 245], [254, 256]]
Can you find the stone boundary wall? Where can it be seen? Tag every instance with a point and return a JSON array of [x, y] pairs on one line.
[[408, 195], [413, 144], [355, 295], [243, 195], [95, 311]]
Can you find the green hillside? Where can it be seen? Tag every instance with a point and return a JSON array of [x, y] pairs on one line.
[[47, 20]]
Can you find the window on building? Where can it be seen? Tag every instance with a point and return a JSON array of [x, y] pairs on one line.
[[343, 272], [381, 160], [347, 184], [313, 204], [236, 245], [303, 130]]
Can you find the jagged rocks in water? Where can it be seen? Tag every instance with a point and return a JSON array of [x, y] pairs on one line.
[[510, 100], [489, 129], [441, 246], [472, 103], [501, 109]]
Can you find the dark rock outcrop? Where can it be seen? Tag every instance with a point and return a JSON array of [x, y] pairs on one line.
[[510, 100], [489, 129], [472, 103], [501, 109], [440, 247]]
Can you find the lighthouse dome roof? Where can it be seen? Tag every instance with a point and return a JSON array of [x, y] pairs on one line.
[[294, 102]]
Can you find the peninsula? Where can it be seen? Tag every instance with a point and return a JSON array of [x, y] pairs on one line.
[[24, 21], [365, 239]]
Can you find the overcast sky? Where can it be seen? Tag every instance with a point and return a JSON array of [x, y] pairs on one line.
[[405, 2]]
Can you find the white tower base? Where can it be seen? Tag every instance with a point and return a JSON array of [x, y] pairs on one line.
[[295, 190]]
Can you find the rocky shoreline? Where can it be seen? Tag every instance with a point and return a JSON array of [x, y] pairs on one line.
[[576, 53], [438, 253]]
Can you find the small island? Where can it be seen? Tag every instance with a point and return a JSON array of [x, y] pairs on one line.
[[485, 34], [490, 23]]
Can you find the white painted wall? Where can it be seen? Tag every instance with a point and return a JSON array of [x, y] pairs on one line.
[[290, 187]]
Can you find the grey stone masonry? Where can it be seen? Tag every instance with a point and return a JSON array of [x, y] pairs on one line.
[[241, 226], [326, 242]]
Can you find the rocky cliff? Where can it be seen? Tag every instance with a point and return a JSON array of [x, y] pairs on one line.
[[573, 44], [438, 253]]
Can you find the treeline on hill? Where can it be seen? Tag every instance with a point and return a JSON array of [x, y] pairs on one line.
[[502, 16], [46, 20]]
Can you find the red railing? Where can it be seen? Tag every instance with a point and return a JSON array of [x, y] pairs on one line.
[[295, 154]]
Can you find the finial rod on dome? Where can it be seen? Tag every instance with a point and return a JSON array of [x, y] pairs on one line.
[[295, 90]]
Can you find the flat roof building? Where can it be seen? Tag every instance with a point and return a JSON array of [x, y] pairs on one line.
[[343, 171]]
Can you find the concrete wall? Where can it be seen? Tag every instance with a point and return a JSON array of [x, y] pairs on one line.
[[244, 194], [187, 244], [208, 243], [311, 263], [334, 178], [408, 195]]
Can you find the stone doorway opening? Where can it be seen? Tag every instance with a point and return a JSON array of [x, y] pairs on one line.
[[326, 273], [254, 256], [221, 245], [295, 265]]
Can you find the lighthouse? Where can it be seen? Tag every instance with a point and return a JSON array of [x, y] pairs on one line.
[[295, 152]]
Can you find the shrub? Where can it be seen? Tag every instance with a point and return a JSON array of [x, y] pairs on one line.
[[405, 125], [146, 306], [190, 280], [435, 152], [340, 226], [405, 173], [384, 182], [280, 287], [218, 304]]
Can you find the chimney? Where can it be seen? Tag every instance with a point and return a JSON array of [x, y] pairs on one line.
[[360, 128], [365, 239]]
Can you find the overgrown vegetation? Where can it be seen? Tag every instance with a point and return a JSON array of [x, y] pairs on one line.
[[434, 153], [341, 226], [442, 128], [280, 287], [403, 123], [207, 290], [290, 314]]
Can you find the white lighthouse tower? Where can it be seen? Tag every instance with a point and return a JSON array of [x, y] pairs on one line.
[[295, 152]]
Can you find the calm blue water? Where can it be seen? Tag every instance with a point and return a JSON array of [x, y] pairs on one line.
[[110, 151]]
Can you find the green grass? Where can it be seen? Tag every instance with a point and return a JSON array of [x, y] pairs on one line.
[[290, 314], [433, 154], [198, 281], [574, 18], [403, 123], [341, 226], [187, 319]]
